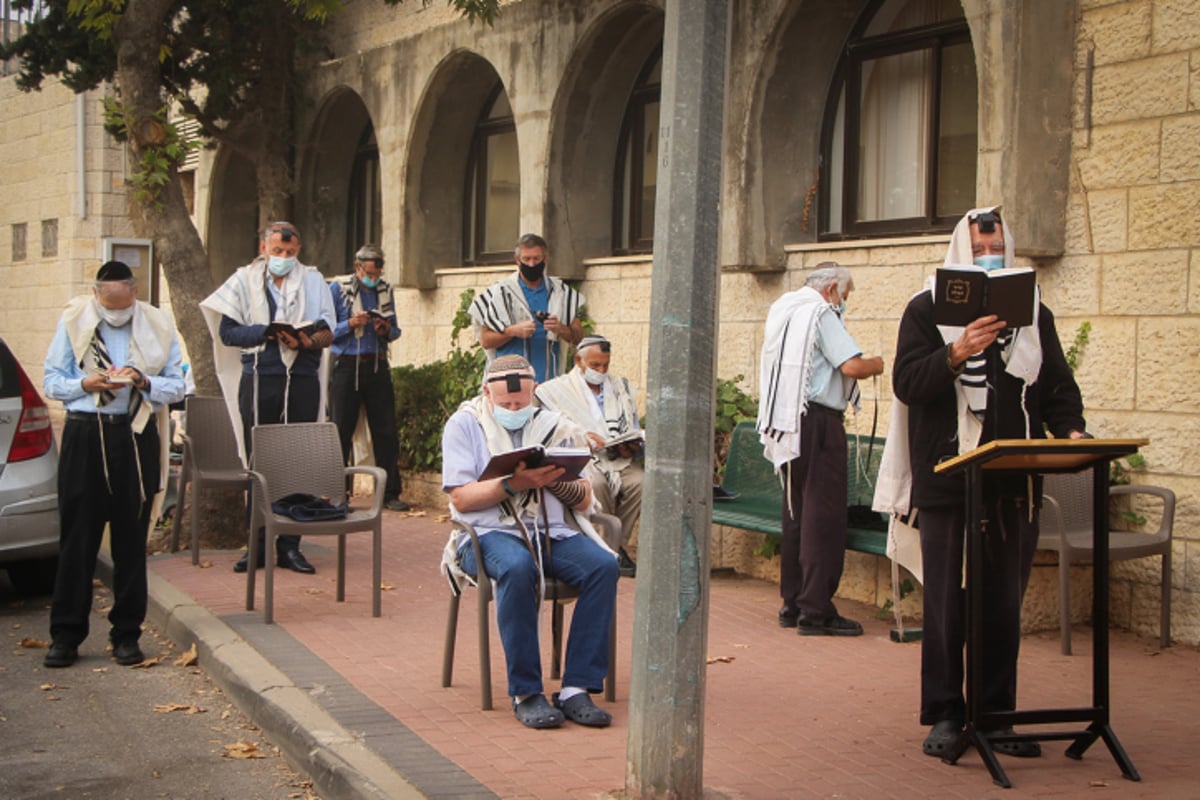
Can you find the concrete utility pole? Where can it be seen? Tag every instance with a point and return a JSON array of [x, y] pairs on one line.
[[666, 706]]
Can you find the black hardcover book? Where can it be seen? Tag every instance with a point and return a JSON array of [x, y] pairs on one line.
[[961, 296], [572, 459]]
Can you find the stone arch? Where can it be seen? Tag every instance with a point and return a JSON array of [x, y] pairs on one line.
[[233, 214], [585, 132], [434, 184], [324, 166], [777, 145]]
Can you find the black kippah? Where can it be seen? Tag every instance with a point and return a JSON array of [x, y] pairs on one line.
[[114, 271]]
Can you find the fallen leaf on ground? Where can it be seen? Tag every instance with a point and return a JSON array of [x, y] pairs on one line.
[[29, 641], [243, 750], [100, 669], [414, 513], [149, 662], [442, 518], [49, 687], [314, 591], [188, 708], [188, 658], [205, 564], [386, 587], [721, 659]]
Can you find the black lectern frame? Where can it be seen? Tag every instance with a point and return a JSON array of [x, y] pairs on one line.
[[1029, 456]]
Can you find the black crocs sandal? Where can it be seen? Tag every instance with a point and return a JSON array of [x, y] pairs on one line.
[[1017, 749], [582, 710], [535, 712], [942, 738]]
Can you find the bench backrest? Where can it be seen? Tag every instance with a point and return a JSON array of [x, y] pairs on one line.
[[750, 476]]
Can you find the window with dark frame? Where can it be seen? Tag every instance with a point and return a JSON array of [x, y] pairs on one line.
[[19, 236], [637, 163], [900, 141], [364, 214], [492, 212]]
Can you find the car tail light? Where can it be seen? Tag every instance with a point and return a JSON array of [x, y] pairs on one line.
[[34, 436]]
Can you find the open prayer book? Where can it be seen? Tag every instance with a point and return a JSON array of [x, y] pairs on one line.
[[306, 327], [962, 296], [572, 459], [634, 439]]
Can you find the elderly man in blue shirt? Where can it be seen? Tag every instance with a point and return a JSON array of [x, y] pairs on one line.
[[115, 363], [362, 380], [810, 368]]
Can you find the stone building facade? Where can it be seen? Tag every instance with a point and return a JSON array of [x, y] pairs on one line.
[[855, 131]]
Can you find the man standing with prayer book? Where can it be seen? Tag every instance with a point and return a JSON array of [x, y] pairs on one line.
[[116, 364], [955, 389]]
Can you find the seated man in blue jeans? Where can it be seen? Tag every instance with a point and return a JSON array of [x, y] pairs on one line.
[[528, 520]]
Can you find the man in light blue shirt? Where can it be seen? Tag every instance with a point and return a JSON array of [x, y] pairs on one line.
[[810, 368], [115, 364]]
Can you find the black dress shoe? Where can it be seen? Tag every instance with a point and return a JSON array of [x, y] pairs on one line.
[[625, 564], [60, 655], [836, 625], [127, 653], [244, 562], [788, 616], [295, 561], [396, 504]]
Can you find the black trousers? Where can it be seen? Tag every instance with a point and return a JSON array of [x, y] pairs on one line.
[[85, 505], [303, 398], [1008, 550], [812, 545], [358, 385]]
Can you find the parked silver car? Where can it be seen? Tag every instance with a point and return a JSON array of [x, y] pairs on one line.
[[28, 482]]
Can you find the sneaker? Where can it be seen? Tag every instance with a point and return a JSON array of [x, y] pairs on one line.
[[396, 504], [836, 625]]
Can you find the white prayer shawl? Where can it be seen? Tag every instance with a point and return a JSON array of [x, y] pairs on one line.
[[785, 371], [503, 304], [544, 426], [572, 396], [149, 348], [1023, 360], [243, 298]]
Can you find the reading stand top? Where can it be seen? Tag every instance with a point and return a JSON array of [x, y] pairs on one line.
[[1040, 455]]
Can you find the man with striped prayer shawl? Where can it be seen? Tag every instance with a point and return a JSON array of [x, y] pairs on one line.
[[809, 372], [958, 388], [115, 363]]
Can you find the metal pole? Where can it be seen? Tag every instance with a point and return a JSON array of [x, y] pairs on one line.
[[664, 756]]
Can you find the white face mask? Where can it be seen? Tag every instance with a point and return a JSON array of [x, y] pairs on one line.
[[116, 317], [280, 266], [512, 420], [594, 377]]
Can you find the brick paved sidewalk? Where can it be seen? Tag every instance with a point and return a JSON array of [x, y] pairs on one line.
[[787, 716]]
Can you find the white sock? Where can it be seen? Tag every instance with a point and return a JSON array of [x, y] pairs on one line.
[[568, 692]]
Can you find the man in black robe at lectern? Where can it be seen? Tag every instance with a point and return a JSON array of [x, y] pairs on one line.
[[965, 387]]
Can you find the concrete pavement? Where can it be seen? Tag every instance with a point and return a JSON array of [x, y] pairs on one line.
[[358, 702]]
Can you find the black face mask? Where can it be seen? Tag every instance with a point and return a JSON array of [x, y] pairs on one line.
[[533, 274]]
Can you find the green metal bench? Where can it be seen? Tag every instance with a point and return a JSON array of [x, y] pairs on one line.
[[757, 504]]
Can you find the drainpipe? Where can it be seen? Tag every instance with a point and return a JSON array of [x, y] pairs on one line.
[[80, 160]]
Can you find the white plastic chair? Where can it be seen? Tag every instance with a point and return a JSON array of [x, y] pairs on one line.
[[307, 457], [1066, 528]]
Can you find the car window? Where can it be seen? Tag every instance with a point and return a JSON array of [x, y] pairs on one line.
[[9, 385]]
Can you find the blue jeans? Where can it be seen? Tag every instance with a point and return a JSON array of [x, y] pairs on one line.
[[579, 562]]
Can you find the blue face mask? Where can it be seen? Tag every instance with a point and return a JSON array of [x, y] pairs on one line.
[[989, 262], [280, 266], [512, 420], [370, 283]]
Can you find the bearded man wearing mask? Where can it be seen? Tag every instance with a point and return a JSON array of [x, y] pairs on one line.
[[604, 405], [955, 389], [284, 373], [531, 523], [529, 313], [115, 363]]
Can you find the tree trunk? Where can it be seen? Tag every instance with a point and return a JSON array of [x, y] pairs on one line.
[[165, 220]]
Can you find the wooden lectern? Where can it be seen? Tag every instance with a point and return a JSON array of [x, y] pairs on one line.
[[1031, 456]]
